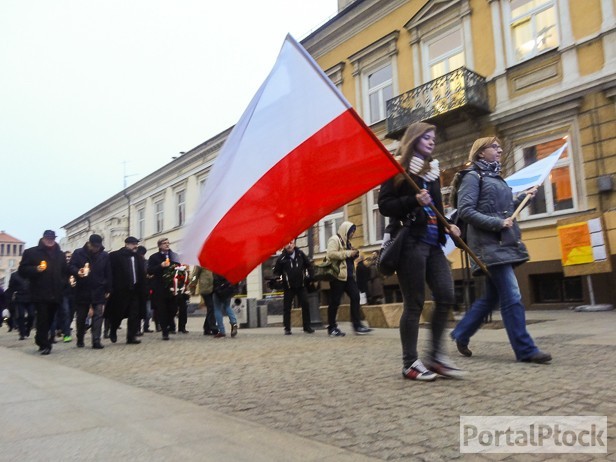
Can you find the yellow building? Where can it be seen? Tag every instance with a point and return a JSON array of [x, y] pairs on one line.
[[536, 73]]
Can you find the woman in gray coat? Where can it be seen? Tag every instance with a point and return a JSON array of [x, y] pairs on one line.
[[485, 203]]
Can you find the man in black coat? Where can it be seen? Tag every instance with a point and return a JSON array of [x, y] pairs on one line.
[[46, 269], [128, 270], [164, 301], [296, 271], [92, 271]]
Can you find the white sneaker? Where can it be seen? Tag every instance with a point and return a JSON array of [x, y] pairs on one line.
[[444, 366], [418, 371]]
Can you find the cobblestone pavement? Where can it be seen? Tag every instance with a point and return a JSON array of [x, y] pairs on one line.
[[348, 392]]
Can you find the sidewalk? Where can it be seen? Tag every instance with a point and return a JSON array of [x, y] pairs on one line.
[[264, 396]]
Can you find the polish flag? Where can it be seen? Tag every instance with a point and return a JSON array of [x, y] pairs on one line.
[[298, 153]]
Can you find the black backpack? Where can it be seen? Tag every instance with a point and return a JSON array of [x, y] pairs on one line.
[[453, 199]]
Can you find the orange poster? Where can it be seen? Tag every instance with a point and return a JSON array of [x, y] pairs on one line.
[[575, 244]]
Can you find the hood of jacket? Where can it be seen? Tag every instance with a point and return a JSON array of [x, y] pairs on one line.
[[344, 230]]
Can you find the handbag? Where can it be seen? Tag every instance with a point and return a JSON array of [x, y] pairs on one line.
[[389, 256], [327, 270]]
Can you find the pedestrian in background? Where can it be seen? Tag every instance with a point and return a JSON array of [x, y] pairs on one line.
[[422, 259], [296, 271], [18, 295], [203, 283], [46, 269], [223, 292], [91, 268], [485, 203], [340, 250]]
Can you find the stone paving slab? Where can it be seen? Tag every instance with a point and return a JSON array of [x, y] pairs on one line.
[[344, 394]]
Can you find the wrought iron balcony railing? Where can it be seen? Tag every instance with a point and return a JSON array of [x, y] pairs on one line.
[[454, 91]]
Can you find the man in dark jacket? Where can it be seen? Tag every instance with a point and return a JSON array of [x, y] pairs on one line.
[[18, 295], [164, 301], [295, 268], [92, 270], [46, 269], [128, 270]]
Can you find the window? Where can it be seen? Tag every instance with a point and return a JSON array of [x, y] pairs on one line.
[[533, 27], [328, 227], [379, 89], [180, 200], [376, 221], [159, 216], [556, 288], [445, 55], [1, 249], [558, 192], [141, 223]]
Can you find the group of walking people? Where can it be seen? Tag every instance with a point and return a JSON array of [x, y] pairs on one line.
[[121, 281]]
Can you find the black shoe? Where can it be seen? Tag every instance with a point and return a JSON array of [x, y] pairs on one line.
[[165, 336], [148, 331], [309, 330], [538, 358], [97, 346], [287, 332], [139, 334], [21, 337], [113, 336], [183, 331], [133, 341], [80, 344], [464, 350], [172, 332], [46, 351], [233, 330]]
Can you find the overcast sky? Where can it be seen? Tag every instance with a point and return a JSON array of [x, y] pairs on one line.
[[88, 85]]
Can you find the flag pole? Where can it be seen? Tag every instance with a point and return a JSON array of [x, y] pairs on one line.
[[521, 206], [445, 223]]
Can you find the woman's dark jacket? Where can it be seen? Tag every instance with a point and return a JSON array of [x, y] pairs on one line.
[[46, 286], [401, 204], [483, 203], [92, 288]]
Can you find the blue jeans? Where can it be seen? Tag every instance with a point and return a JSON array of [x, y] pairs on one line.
[[501, 286], [221, 304]]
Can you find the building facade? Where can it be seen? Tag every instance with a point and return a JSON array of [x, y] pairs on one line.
[[11, 250], [536, 73]]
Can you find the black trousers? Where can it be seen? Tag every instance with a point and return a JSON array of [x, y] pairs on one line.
[[45, 312], [337, 288], [209, 323], [167, 306], [289, 295], [125, 304]]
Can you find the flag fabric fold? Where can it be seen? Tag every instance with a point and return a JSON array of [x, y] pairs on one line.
[[535, 173], [298, 152]]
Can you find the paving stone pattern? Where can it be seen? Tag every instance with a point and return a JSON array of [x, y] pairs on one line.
[[349, 392]]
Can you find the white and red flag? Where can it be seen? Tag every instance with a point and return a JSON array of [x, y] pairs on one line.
[[298, 152]]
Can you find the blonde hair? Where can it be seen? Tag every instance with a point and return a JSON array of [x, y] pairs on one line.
[[479, 145]]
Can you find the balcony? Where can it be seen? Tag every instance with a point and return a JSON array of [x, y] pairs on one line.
[[448, 99]]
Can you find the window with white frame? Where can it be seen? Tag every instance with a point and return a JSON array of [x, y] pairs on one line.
[[376, 221], [558, 194], [379, 88], [533, 25], [328, 227], [159, 216], [141, 223], [446, 54], [180, 202]]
